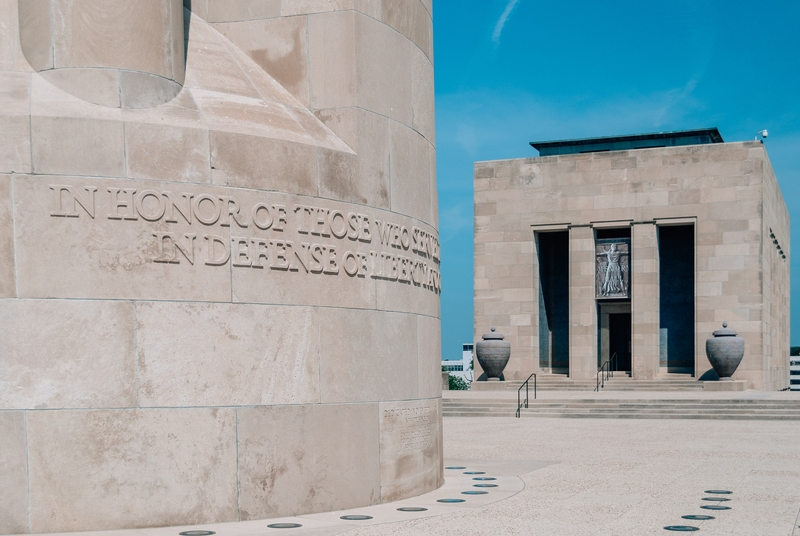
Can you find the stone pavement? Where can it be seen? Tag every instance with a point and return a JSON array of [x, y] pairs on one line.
[[588, 477]]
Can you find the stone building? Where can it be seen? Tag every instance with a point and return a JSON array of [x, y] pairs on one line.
[[634, 249], [217, 232]]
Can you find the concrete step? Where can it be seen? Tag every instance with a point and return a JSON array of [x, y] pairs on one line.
[[635, 415], [620, 382], [632, 404], [626, 407], [607, 408]]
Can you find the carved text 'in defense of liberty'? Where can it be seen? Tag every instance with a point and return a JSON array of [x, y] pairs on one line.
[[302, 238]]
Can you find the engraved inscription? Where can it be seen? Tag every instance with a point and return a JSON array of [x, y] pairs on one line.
[[267, 236], [414, 426]]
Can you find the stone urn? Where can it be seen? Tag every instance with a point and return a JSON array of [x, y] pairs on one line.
[[493, 353], [725, 351]]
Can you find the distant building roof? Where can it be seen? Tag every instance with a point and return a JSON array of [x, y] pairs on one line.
[[623, 143]]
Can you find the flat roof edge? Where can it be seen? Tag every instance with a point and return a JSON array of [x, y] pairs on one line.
[[712, 132]]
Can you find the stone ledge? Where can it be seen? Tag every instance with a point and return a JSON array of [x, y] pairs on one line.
[[734, 385]]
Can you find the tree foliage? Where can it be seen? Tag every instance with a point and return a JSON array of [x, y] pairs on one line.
[[457, 383]]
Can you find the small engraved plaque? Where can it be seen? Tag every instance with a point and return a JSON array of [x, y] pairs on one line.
[[613, 261]]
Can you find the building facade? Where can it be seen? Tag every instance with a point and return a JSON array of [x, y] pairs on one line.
[[461, 368], [794, 373], [634, 250]]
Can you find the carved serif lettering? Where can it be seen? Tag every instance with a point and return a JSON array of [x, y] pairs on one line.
[[208, 230]]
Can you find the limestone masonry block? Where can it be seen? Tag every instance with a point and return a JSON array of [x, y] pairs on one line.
[[271, 354], [331, 471], [332, 60], [13, 473], [46, 367], [366, 179], [411, 447], [242, 10], [7, 272], [386, 77], [15, 130], [73, 146], [87, 468], [410, 177], [347, 363], [429, 340]]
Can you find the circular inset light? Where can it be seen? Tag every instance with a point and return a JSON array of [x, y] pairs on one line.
[[681, 528], [484, 478], [474, 472], [355, 518], [714, 507], [474, 492], [197, 533], [697, 518], [285, 526], [455, 467], [719, 491], [484, 485], [450, 500], [717, 499], [411, 509]]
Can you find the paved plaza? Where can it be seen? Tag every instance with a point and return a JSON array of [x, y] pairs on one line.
[[587, 477]]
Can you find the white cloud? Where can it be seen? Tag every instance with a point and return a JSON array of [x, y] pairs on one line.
[[501, 22]]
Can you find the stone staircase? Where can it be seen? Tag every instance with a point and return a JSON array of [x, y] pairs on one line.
[[739, 409], [620, 382]]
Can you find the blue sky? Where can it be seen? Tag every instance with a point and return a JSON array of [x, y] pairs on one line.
[[508, 72]]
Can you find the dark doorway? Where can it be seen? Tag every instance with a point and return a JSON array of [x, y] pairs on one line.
[[676, 298], [619, 340], [553, 250]]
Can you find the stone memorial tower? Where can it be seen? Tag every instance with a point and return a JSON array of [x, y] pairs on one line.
[[219, 264]]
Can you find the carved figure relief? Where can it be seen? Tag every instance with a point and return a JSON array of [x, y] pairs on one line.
[[612, 268]]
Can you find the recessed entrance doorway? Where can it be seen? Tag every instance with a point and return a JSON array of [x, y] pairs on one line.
[[619, 341], [615, 336]]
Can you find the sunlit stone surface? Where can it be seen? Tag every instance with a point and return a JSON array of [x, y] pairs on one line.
[[219, 260]]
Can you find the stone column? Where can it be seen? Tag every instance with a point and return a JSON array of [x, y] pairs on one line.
[[113, 53], [538, 309], [582, 304], [645, 338]]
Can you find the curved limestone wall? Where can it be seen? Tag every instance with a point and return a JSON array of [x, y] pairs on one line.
[[223, 305]]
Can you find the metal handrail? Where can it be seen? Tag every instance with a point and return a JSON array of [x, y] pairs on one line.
[[609, 372], [525, 385]]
